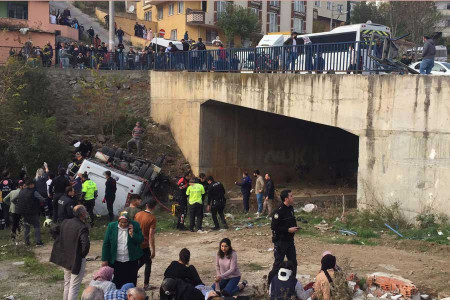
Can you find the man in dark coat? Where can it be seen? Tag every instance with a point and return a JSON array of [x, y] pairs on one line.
[[70, 250], [66, 204], [110, 194], [29, 206]]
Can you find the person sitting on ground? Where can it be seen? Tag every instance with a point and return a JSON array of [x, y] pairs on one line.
[[134, 208], [177, 289], [127, 292], [227, 270], [182, 270], [324, 280], [285, 285], [102, 279], [92, 293]]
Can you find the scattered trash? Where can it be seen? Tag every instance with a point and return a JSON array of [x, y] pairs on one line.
[[440, 233], [19, 263], [392, 283], [393, 230], [389, 267], [348, 232], [323, 226], [300, 219], [309, 207], [10, 298], [238, 228], [270, 249], [92, 258], [250, 225], [229, 216]]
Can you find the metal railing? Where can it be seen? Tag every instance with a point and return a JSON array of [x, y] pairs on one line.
[[319, 58]]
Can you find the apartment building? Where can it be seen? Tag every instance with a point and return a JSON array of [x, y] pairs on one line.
[[444, 8], [199, 18], [328, 14]]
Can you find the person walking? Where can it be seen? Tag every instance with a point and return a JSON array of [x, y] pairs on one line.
[[66, 204], [195, 192], [136, 134], [292, 51], [11, 200], [269, 195], [121, 249], [70, 250], [246, 186], [110, 194], [89, 193], [147, 221], [56, 189], [120, 35], [216, 202], [29, 206], [428, 53], [259, 188], [284, 227]]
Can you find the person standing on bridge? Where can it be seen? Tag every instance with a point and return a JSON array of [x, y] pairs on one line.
[[120, 35], [246, 186], [292, 51], [428, 53]]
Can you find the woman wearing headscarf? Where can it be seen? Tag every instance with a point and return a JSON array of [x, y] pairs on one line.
[[102, 279], [122, 249], [324, 280]]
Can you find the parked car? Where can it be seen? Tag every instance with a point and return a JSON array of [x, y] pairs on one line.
[[440, 68]]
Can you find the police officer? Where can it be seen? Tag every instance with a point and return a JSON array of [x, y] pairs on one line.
[[216, 202], [284, 227], [89, 193]]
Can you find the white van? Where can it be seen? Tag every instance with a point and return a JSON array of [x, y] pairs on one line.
[[126, 184], [273, 40], [161, 42]]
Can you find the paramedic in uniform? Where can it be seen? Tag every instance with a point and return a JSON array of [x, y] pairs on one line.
[[284, 227]]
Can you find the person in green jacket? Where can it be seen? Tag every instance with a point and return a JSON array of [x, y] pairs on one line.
[[122, 249], [11, 200]]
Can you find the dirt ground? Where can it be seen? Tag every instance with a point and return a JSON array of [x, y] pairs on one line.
[[430, 271]]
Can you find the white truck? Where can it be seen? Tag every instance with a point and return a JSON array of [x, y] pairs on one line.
[[133, 176]]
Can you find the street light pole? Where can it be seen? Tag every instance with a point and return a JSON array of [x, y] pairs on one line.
[[111, 26], [331, 19]]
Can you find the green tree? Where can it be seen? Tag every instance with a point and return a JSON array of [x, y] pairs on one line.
[[365, 11], [238, 21]]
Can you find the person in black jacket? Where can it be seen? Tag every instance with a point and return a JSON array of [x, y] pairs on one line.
[[28, 206], [284, 227], [292, 50], [246, 186], [57, 189], [110, 194], [216, 202], [182, 270], [269, 195], [66, 204]]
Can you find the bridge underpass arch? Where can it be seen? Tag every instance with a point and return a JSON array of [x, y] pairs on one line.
[[298, 154]]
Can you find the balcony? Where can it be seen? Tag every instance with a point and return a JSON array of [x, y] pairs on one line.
[[153, 2], [195, 17]]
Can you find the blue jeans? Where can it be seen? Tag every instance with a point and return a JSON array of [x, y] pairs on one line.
[[426, 65], [229, 285], [260, 199]]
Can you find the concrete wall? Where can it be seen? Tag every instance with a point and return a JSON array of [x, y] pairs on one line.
[[402, 123]]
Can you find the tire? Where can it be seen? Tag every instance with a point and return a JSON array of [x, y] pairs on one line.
[[159, 161], [142, 171], [118, 153], [148, 173], [105, 150]]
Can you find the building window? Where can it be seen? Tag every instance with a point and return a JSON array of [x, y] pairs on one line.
[[299, 6], [255, 11], [221, 6], [18, 10], [274, 3], [329, 5], [173, 34], [171, 9], [211, 35], [180, 7], [298, 25], [273, 22], [448, 5], [317, 3], [340, 8], [160, 12], [148, 16]]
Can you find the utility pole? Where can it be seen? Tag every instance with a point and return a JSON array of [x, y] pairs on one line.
[[331, 19], [112, 32]]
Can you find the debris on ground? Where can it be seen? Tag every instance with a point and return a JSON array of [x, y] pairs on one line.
[[348, 232], [323, 226], [229, 217], [392, 283], [309, 207]]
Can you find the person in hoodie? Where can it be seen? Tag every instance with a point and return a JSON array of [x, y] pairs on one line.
[[428, 53], [246, 186]]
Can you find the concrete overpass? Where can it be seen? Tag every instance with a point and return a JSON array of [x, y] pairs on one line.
[[395, 127]]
